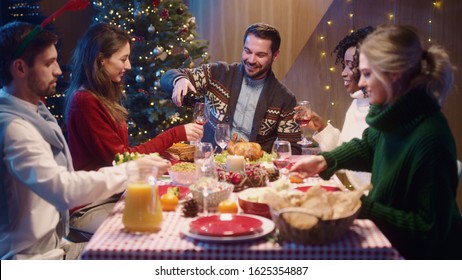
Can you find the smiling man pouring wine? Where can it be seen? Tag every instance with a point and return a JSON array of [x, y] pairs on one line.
[[247, 95]]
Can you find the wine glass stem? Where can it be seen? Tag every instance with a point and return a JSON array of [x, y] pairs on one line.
[[284, 172], [205, 195]]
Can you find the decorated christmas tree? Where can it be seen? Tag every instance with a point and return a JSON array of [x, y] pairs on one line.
[[164, 37]]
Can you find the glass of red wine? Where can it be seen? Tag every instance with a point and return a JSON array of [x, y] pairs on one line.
[[281, 156], [199, 114], [302, 117]]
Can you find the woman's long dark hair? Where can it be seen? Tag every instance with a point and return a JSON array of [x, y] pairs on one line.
[[100, 41]]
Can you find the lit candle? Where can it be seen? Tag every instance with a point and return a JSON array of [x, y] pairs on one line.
[[235, 163]]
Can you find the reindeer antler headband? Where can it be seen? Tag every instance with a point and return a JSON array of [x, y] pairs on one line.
[[71, 5]]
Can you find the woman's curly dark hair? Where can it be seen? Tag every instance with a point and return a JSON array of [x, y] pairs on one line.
[[349, 41]]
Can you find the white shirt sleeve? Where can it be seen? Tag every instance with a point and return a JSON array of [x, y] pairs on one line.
[[327, 138], [30, 163]]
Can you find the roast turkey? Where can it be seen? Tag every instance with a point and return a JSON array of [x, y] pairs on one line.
[[250, 150]]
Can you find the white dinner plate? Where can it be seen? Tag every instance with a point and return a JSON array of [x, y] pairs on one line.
[[266, 228]]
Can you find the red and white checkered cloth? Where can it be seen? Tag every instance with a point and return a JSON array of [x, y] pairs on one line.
[[363, 241]]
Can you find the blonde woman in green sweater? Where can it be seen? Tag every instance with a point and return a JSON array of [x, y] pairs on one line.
[[408, 147]]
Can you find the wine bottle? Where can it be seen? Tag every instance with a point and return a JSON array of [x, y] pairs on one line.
[[190, 99]]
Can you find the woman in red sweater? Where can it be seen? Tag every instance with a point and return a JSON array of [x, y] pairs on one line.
[[95, 118]]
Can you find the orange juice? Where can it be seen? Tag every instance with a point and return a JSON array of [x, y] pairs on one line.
[[143, 211]]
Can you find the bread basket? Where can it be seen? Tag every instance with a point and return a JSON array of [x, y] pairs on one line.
[[321, 231]]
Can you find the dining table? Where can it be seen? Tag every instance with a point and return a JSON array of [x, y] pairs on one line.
[[172, 241]]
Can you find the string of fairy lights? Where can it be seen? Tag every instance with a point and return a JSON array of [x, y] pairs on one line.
[[23, 9]]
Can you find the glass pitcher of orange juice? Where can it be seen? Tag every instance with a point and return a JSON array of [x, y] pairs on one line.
[[143, 211]]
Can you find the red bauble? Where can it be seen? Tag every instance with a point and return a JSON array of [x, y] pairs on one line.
[[155, 3], [179, 11], [164, 13]]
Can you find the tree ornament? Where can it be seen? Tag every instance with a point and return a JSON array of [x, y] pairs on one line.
[[191, 21], [137, 13], [155, 3], [157, 50], [206, 56], [151, 28], [139, 78], [163, 56], [180, 11], [183, 29], [164, 14], [190, 37]]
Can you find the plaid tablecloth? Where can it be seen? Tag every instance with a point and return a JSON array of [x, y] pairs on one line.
[[363, 241]]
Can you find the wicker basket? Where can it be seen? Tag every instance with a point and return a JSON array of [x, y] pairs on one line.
[[323, 232]]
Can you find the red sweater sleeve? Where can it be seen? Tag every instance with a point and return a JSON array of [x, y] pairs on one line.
[[94, 138], [162, 142]]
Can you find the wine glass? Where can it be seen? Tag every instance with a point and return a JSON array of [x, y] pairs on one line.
[[222, 135], [302, 117], [199, 114], [281, 155], [206, 170]]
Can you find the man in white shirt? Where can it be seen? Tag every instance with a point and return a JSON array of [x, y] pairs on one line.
[[38, 183]]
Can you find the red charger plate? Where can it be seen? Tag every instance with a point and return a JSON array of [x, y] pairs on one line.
[[225, 225]]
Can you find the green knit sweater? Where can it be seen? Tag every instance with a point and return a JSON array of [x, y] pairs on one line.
[[411, 153]]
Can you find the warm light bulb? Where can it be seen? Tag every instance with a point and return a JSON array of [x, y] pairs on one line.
[[329, 22], [327, 87]]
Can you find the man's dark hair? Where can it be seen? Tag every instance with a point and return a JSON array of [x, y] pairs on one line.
[[349, 41], [12, 36], [265, 31]]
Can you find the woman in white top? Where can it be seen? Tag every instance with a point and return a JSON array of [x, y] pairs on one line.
[[329, 137]]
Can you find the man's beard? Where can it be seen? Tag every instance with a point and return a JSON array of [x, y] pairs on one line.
[[39, 87], [260, 73]]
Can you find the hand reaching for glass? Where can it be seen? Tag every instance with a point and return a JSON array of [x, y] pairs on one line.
[[309, 166], [194, 132]]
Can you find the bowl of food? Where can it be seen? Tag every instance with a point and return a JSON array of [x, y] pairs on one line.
[[183, 173], [251, 201], [217, 192]]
